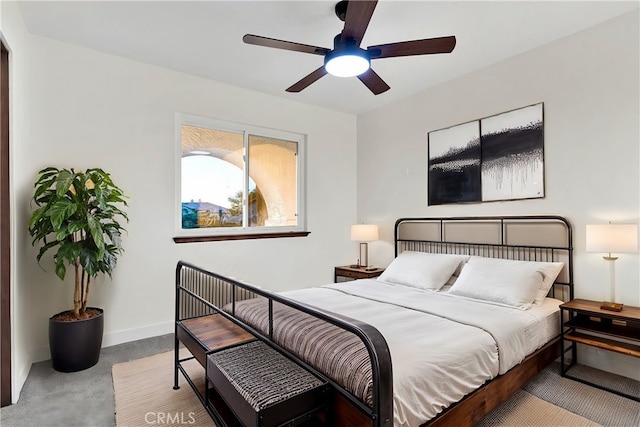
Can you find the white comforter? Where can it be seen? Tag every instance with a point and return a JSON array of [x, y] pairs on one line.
[[436, 361]]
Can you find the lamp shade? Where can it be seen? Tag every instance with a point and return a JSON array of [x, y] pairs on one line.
[[612, 238], [364, 232]]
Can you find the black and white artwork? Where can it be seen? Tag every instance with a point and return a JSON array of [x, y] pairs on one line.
[[495, 158], [512, 155], [454, 164]]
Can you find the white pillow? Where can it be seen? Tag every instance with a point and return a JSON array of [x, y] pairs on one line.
[[514, 283], [550, 271], [421, 270], [465, 259]]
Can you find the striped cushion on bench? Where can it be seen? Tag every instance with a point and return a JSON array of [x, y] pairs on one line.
[[264, 388], [262, 375]]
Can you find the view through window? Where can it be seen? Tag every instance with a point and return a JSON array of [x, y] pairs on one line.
[[235, 178]]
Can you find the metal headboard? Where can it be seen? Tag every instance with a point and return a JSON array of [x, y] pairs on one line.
[[546, 238]]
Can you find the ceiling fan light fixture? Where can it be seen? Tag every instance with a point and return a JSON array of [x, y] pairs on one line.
[[347, 62], [348, 59]]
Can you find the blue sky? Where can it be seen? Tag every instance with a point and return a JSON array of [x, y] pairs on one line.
[[210, 179]]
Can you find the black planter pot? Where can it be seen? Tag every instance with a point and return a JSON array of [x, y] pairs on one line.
[[75, 345]]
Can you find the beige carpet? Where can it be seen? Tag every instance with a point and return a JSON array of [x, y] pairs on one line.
[[144, 396], [524, 409]]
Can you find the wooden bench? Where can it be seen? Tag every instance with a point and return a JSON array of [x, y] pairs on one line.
[[202, 335], [247, 382]]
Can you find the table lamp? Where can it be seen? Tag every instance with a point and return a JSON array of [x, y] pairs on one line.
[[364, 233], [612, 238]]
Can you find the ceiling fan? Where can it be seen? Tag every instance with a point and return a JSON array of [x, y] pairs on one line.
[[347, 58]]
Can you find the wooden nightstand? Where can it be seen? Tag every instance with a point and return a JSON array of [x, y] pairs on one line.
[[348, 272], [616, 331]]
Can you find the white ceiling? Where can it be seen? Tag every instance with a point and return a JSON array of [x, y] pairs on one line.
[[204, 38]]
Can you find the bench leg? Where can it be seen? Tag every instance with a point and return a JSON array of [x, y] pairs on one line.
[[176, 362]]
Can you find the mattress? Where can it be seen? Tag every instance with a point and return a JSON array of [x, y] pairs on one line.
[[442, 346]]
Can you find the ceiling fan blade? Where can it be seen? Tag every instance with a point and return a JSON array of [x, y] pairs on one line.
[[283, 44], [373, 82], [307, 80], [357, 19], [413, 47]]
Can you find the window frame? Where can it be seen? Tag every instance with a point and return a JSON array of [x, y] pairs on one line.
[[245, 232]]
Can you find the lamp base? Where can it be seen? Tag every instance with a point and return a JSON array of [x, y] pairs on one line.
[[611, 306], [363, 267]]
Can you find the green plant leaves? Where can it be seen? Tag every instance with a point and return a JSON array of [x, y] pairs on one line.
[[63, 182], [96, 232], [77, 214], [66, 254], [61, 210], [61, 269]]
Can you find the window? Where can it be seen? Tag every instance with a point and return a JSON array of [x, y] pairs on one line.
[[238, 180]]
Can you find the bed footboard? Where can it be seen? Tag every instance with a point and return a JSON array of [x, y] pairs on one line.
[[202, 295]]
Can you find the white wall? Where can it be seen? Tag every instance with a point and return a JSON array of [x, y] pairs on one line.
[[589, 85], [88, 109]]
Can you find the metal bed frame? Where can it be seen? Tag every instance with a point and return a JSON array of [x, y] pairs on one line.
[[200, 292]]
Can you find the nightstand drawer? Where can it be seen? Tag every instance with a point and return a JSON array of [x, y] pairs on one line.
[[352, 274], [356, 273]]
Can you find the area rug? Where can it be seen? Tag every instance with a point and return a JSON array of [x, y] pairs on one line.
[[598, 405], [144, 394], [524, 409]]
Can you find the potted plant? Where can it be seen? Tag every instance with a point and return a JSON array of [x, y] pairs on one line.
[[77, 216]]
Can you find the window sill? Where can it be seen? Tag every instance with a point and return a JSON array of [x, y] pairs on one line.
[[196, 239]]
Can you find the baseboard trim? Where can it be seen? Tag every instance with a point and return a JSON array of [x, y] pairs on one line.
[[117, 337], [128, 335], [20, 374]]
